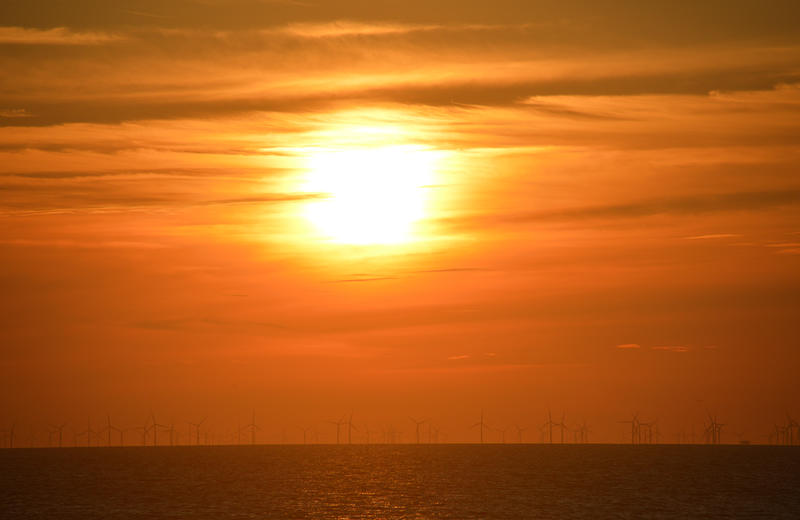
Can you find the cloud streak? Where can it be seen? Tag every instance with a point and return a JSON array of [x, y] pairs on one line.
[[676, 206], [55, 36], [458, 93]]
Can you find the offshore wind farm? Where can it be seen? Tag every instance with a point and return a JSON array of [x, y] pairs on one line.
[[636, 431]]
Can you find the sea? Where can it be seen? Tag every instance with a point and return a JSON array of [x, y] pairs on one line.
[[457, 481]]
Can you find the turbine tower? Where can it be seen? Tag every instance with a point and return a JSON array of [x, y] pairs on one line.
[[481, 425], [196, 426], [88, 432], [109, 428], [10, 434], [59, 430], [562, 425], [156, 426], [549, 425], [305, 432], [634, 422], [502, 432], [418, 424], [252, 426], [339, 425], [350, 428]]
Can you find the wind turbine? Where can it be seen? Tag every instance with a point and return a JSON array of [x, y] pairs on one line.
[[196, 426], [305, 432], [32, 438], [714, 429], [418, 424], [156, 426], [481, 425], [252, 427], [563, 426], [519, 433], [350, 428], [368, 432], [394, 436], [778, 435], [502, 434], [584, 429], [10, 433], [144, 429], [791, 426], [108, 429], [549, 425], [88, 432], [339, 425], [58, 429], [171, 430], [634, 427], [575, 433], [646, 432]]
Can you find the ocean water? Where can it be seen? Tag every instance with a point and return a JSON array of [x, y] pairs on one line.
[[401, 481]]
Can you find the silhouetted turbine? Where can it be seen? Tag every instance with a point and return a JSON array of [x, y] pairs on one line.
[[482, 425], [418, 424], [196, 426]]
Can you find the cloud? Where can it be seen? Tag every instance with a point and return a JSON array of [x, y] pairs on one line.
[[681, 205], [267, 198], [56, 36], [628, 346], [452, 270], [350, 28], [73, 194], [672, 349], [713, 236], [785, 248], [621, 23], [86, 244], [14, 113], [454, 88], [462, 356], [784, 244], [375, 279]]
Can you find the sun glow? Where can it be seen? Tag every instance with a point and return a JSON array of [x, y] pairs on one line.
[[371, 196]]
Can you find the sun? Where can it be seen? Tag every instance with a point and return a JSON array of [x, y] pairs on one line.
[[369, 196]]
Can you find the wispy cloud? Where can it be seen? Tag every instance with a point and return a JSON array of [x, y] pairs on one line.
[[56, 36], [679, 205], [351, 28], [629, 346], [14, 112], [357, 280], [672, 348], [786, 248], [782, 245], [713, 236], [87, 244]]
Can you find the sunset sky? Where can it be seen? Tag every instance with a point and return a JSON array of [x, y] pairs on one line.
[[310, 208]]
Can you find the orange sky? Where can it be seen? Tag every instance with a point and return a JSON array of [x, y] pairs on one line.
[[592, 209]]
